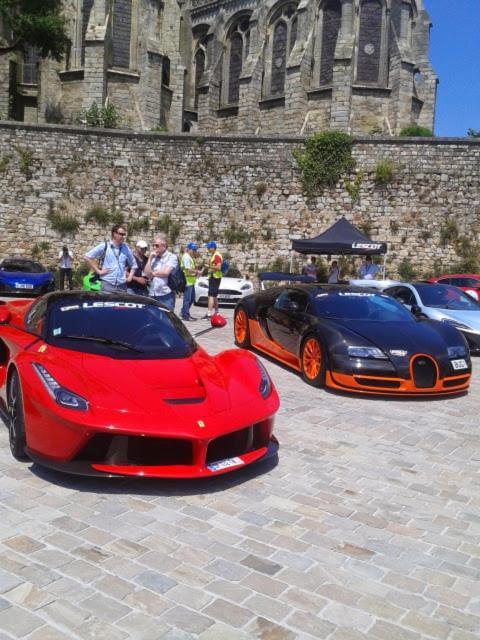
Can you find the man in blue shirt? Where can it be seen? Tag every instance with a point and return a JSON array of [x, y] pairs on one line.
[[368, 270], [109, 260]]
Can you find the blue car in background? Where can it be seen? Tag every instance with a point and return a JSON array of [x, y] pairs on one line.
[[24, 278]]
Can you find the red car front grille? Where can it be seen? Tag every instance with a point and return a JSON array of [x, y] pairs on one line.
[[238, 443], [136, 450]]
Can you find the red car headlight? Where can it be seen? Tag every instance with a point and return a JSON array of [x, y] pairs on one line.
[[265, 386], [62, 396]]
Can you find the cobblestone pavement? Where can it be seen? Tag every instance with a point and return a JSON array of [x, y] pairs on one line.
[[368, 527]]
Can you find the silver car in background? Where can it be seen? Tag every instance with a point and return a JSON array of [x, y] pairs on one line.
[[444, 303]]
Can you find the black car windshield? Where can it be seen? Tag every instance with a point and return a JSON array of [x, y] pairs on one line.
[[350, 305], [21, 266], [444, 296], [118, 328]]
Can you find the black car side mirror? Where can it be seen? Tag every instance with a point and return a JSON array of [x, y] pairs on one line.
[[416, 310], [290, 305]]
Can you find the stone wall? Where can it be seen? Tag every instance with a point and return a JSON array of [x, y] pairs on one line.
[[243, 192]]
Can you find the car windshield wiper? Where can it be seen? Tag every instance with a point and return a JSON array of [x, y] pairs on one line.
[[109, 341]]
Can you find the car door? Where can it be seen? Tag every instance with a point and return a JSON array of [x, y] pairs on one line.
[[286, 318]]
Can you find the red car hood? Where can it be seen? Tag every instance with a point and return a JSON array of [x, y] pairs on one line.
[[143, 384]]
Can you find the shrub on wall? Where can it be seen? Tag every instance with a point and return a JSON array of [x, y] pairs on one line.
[[62, 223], [95, 116], [135, 226], [98, 214], [384, 171], [166, 225], [416, 131], [327, 157], [406, 270]]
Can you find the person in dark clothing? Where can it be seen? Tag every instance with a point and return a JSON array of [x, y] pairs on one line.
[[137, 283], [65, 261]]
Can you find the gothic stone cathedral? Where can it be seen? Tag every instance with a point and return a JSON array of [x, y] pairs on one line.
[[235, 66]]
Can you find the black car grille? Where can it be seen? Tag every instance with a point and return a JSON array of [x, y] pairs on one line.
[[455, 382], [376, 382], [238, 443], [136, 450], [424, 372], [229, 292]]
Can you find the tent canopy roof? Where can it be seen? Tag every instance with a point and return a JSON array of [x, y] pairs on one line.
[[342, 238]]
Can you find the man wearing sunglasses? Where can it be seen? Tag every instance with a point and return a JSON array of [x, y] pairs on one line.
[[110, 259], [159, 266]]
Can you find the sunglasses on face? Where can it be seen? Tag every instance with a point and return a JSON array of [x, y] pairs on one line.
[[121, 233]]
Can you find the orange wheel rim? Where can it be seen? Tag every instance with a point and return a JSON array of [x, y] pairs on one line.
[[312, 358], [240, 326]]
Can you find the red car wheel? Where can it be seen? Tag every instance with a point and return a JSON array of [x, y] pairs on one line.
[[16, 422]]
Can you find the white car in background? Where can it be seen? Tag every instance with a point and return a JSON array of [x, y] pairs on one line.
[[232, 289], [375, 284]]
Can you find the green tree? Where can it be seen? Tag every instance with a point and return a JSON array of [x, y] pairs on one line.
[[37, 23], [472, 133]]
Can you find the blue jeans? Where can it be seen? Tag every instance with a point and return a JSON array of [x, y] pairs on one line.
[[168, 300], [188, 296]]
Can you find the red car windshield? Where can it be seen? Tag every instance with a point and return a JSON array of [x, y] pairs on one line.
[[118, 328]]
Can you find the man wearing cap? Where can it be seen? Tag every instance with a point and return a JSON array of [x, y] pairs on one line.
[[189, 268], [137, 283], [214, 277]]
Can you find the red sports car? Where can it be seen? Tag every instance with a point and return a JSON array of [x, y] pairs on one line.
[[100, 384], [468, 282]]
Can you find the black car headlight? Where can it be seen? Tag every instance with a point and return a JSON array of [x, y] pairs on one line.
[[62, 396], [265, 386], [202, 285], [246, 286], [367, 352]]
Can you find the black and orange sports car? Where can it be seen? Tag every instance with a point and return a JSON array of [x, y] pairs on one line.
[[354, 339]]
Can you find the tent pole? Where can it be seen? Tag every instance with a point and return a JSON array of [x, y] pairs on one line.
[[384, 263], [291, 260]]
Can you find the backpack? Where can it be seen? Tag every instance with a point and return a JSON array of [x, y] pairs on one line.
[[225, 267], [176, 280]]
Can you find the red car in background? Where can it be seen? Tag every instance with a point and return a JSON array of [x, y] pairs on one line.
[[114, 384], [468, 282]]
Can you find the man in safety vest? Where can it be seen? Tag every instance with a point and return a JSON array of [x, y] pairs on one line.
[[189, 268], [214, 277]]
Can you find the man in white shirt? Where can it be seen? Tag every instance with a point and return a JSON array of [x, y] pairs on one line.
[[159, 266], [368, 270]]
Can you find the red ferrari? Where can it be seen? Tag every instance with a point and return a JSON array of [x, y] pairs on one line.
[[100, 384], [468, 282]]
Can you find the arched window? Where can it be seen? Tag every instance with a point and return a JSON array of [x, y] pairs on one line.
[[121, 31], [237, 51], [31, 59], [284, 25], [85, 17], [331, 20], [370, 46], [200, 59]]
